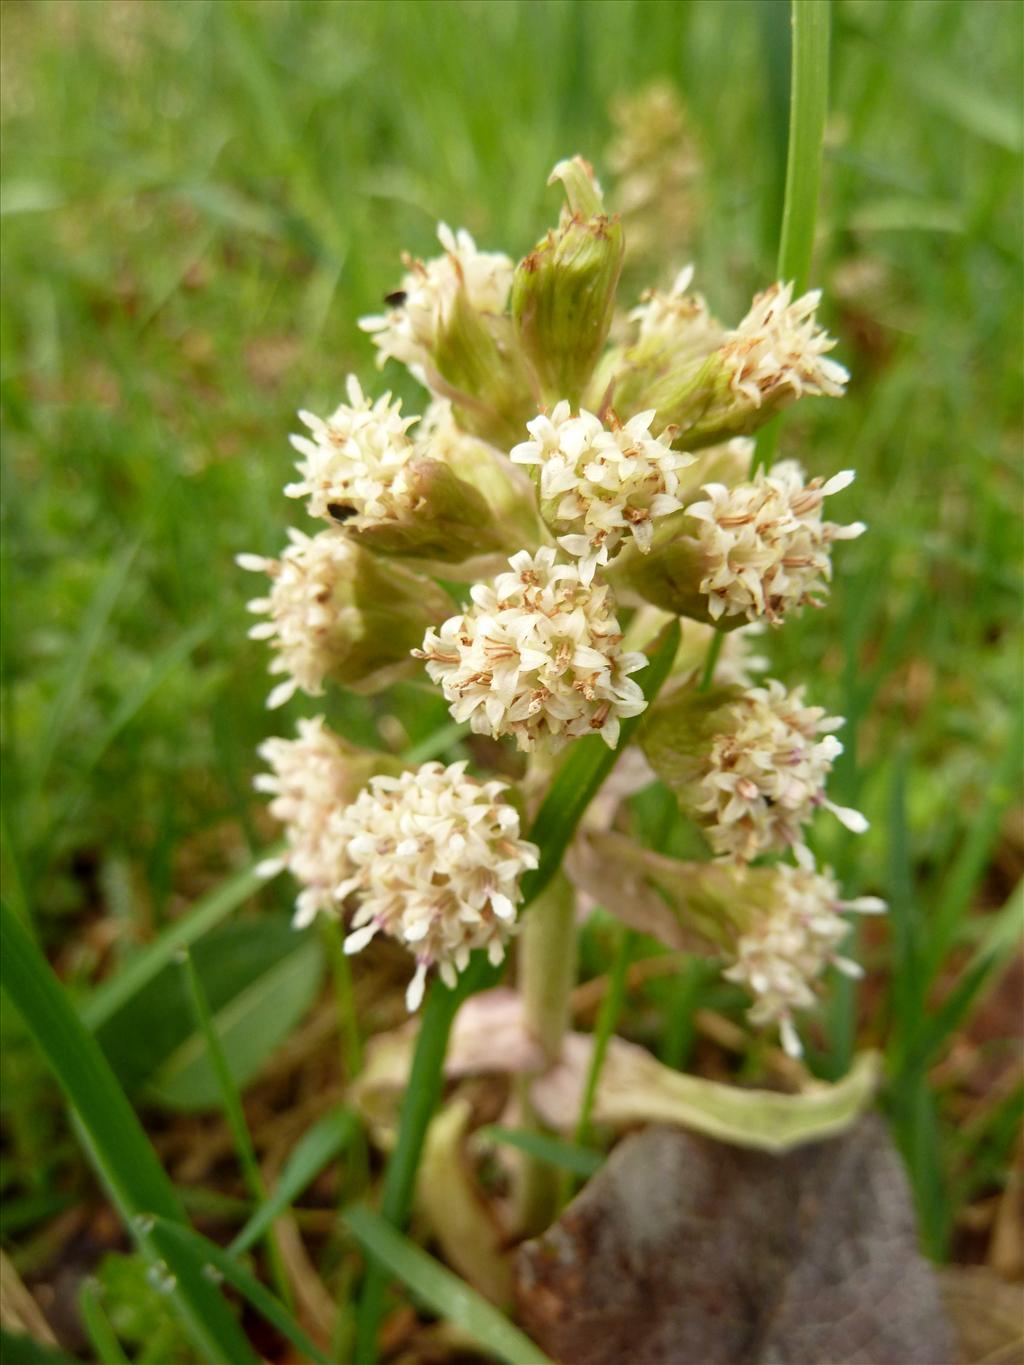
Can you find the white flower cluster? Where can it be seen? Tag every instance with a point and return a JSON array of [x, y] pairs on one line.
[[423, 300], [310, 782], [765, 547], [307, 626], [537, 656], [779, 346], [602, 482], [764, 776], [354, 470], [789, 944], [435, 863]]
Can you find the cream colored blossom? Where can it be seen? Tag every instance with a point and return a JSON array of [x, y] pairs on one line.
[[677, 319], [598, 483], [537, 656], [765, 548], [764, 775], [435, 863], [794, 930], [354, 470], [425, 297], [306, 628], [778, 347], [311, 779]]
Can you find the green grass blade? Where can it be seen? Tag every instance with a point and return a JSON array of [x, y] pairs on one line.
[[117, 1143], [212, 1262], [94, 624], [1001, 942], [321, 1144], [442, 1292], [108, 998], [101, 1334], [808, 107], [231, 1103], [18, 1349], [567, 1156], [970, 863], [608, 1017]]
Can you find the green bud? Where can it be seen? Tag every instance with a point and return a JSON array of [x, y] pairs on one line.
[[563, 292], [479, 368], [443, 519]]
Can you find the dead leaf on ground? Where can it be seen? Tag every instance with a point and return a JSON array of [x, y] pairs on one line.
[[684, 1251]]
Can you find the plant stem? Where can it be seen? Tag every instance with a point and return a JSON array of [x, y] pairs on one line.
[[808, 106], [348, 1023], [235, 1115], [547, 970]]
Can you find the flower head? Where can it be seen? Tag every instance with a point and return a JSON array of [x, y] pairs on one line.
[[763, 775], [536, 656], [791, 929], [427, 293], [779, 350], [599, 484], [311, 779], [764, 546], [355, 469], [435, 860], [337, 612]]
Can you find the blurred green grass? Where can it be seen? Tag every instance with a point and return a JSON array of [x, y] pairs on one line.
[[198, 202]]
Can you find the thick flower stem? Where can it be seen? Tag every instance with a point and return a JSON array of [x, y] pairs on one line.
[[547, 970]]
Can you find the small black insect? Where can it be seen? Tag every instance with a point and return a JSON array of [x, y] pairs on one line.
[[340, 511], [396, 298]]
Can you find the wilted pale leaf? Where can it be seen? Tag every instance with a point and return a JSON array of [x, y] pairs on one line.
[[636, 1088], [490, 1036], [466, 1229]]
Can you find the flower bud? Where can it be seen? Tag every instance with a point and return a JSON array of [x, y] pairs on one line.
[[563, 292], [748, 766], [338, 613], [362, 470], [447, 323]]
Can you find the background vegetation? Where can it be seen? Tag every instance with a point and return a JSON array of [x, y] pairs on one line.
[[199, 200]]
